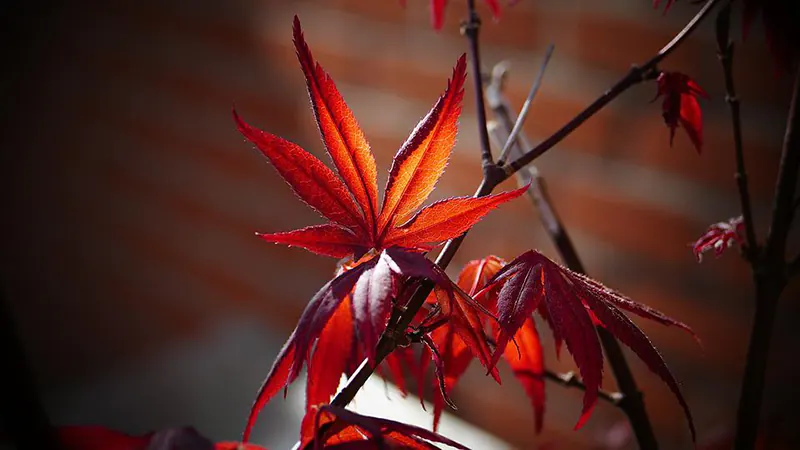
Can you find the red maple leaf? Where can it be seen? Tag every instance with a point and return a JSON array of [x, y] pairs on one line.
[[680, 105], [345, 429], [438, 7], [385, 244], [573, 305], [720, 236]]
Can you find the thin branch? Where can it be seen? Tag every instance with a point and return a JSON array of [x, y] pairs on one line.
[[491, 179], [725, 54], [783, 206], [24, 420], [633, 406], [523, 114], [636, 75], [571, 380], [470, 29], [769, 272]]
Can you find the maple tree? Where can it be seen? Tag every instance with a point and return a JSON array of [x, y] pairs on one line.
[[387, 297]]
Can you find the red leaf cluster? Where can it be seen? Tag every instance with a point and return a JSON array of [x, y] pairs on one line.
[[346, 430], [680, 106], [719, 237], [572, 305], [347, 316]]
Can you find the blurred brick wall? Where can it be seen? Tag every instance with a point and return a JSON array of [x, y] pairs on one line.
[[132, 200]]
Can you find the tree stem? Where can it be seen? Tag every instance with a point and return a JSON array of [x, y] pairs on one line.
[[725, 54], [470, 29], [769, 273]]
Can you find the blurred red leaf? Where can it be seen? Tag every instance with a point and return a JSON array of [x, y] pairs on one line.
[[680, 106]]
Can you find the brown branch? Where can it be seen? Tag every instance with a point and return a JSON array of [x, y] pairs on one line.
[[470, 29], [633, 404], [636, 75], [571, 380], [493, 177], [725, 54], [769, 272]]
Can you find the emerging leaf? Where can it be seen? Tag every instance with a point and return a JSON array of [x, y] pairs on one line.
[[719, 237], [574, 304], [680, 106]]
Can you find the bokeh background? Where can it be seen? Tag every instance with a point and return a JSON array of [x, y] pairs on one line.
[[143, 299]]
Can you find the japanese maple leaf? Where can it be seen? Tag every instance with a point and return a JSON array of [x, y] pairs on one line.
[[572, 305], [720, 236], [345, 429], [386, 244], [438, 6], [351, 203], [680, 106]]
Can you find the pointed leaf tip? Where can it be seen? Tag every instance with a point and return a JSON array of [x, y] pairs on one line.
[[310, 179], [344, 140], [421, 160]]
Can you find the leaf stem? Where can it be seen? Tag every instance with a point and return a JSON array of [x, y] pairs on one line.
[[725, 54], [636, 75], [470, 29], [769, 273]]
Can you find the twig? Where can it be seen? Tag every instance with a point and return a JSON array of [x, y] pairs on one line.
[[769, 272], [570, 380], [470, 29], [636, 75], [633, 406], [523, 114], [725, 54], [491, 179], [24, 419]]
